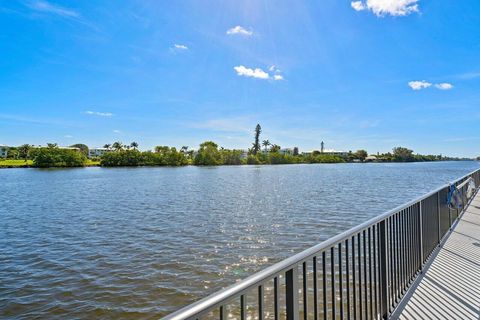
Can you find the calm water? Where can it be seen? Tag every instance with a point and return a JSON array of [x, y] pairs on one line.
[[140, 243]]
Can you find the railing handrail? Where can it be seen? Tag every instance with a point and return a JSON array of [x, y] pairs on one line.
[[244, 285]]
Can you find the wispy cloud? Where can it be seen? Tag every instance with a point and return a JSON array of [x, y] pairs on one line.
[[47, 7], [382, 8], [68, 136], [257, 73], [358, 5], [444, 86], [100, 114], [117, 131], [418, 85], [251, 73], [180, 46], [240, 31]]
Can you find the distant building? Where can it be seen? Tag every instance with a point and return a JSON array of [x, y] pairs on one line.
[[335, 152], [244, 154], [286, 151], [371, 158], [3, 151], [98, 152]]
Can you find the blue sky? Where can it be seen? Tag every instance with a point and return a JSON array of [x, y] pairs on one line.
[[370, 74]]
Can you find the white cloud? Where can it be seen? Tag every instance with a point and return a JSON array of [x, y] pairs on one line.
[[180, 47], [239, 30], [253, 73], [68, 136], [418, 85], [358, 5], [101, 114], [117, 131], [277, 77], [46, 7], [387, 7], [444, 86]]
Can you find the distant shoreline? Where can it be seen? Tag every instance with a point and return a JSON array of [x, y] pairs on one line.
[[30, 165]]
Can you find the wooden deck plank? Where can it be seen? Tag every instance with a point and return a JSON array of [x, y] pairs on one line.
[[449, 287]]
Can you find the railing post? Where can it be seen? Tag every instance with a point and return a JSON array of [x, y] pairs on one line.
[[420, 216], [291, 296], [383, 264]]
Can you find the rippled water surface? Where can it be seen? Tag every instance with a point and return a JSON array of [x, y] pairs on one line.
[[141, 242]]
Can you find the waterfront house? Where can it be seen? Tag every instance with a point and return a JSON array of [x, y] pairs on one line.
[[371, 158], [98, 152], [244, 154], [3, 151], [286, 151], [333, 152]]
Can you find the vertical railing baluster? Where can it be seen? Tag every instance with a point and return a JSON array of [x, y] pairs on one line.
[[243, 307], [291, 295], [370, 271], [360, 301], [347, 274], [397, 257], [276, 304], [332, 270], [420, 216], [223, 312], [383, 265], [375, 269], [340, 279], [305, 292], [315, 289], [260, 302], [354, 280], [391, 282], [324, 284], [365, 274], [438, 217]]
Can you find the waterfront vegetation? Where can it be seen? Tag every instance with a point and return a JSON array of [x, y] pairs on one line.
[[208, 154]]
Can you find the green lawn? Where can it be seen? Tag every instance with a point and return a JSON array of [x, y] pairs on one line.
[[15, 163], [21, 163], [91, 163]]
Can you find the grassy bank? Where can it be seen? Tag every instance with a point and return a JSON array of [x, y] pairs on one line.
[[29, 163], [15, 163]]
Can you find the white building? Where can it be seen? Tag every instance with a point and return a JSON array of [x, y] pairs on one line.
[[329, 152], [335, 152], [3, 151], [244, 154], [97, 152]]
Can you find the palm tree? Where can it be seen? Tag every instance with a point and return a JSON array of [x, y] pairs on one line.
[[134, 145], [117, 146], [107, 146], [184, 149], [266, 143]]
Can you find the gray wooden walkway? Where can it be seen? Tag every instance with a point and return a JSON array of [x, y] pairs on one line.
[[450, 285]]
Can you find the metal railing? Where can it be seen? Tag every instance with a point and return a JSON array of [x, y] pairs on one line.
[[362, 273]]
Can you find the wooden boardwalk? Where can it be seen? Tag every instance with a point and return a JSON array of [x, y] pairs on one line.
[[449, 287]]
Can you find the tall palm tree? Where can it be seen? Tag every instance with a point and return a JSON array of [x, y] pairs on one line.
[[117, 146], [134, 145], [184, 149], [266, 143], [107, 146]]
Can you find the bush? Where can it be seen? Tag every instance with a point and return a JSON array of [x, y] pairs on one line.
[[56, 157]]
